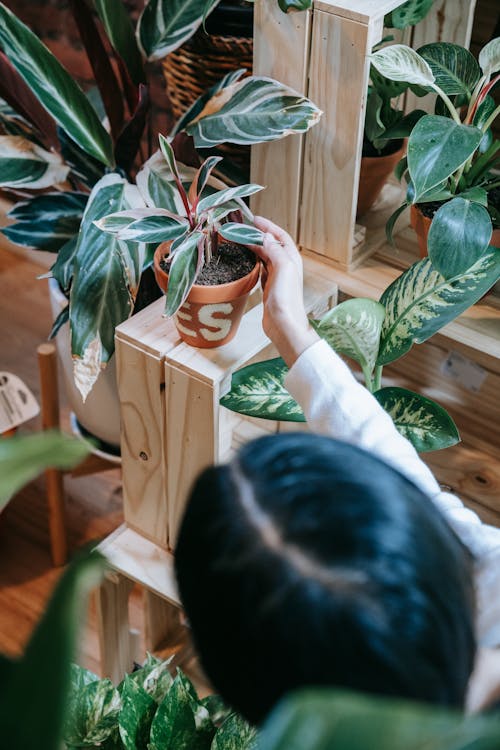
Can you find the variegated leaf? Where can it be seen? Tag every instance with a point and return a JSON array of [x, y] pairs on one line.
[[408, 14], [173, 726], [23, 164], [48, 221], [401, 63], [105, 281], [353, 328], [455, 69], [224, 196], [421, 301], [241, 234], [165, 24], [235, 734], [92, 714], [144, 225], [157, 185], [63, 268], [254, 110], [489, 57], [182, 272], [258, 391], [197, 106], [290, 6], [116, 20], [136, 715], [422, 421]]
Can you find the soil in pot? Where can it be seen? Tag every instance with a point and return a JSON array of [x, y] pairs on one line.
[[212, 312], [376, 167]]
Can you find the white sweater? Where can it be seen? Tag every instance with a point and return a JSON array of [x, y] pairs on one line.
[[335, 404]]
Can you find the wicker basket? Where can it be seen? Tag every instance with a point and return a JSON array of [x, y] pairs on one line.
[[199, 64]]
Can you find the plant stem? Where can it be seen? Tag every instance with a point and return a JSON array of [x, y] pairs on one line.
[[377, 378], [490, 119], [446, 100]]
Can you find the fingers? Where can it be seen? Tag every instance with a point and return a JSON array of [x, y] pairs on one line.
[[269, 227]]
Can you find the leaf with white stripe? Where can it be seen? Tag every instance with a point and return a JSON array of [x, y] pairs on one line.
[[183, 270], [456, 71], [422, 421], [401, 63], [47, 221], [258, 391], [157, 185], [144, 225], [197, 106], [421, 301], [54, 87], [242, 234], [165, 24], [353, 328], [23, 164], [223, 196], [489, 57], [254, 110]]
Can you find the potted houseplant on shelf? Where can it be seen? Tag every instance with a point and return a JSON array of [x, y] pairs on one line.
[[68, 170], [197, 245], [452, 186], [413, 308]]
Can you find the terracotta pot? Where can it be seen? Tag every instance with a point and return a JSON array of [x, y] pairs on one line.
[[421, 224], [211, 314], [374, 173]]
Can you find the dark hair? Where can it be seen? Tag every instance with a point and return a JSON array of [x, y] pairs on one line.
[[307, 561]]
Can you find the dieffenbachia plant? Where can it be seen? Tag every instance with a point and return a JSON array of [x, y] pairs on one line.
[[194, 230], [88, 148], [452, 155], [412, 309]]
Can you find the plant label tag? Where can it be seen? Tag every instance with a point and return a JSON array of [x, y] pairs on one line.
[[17, 403], [464, 371]]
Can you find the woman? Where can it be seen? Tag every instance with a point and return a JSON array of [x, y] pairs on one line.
[[334, 559]]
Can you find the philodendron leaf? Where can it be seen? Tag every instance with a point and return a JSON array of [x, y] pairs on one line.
[[258, 391], [459, 234], [23, 457], [23, 164], [182, 271], [437, 147], [165, 24], [136, 715], [46, 222], [456, 71], [353, 328], [422, 421], [45, 666], [288, 6], [54, 87], [92, 714], [242, 234], [144, 225], [401, 63], [489, 57], [254, 110], [173, 726], [421, 301], [235, 734], [408, 14], [105, 281]]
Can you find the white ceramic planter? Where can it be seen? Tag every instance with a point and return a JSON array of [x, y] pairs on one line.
[[100, 414]]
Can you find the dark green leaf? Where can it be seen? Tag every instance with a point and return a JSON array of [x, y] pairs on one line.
[[182, 272], [288, 6], [198, 105], [92, 714], [59, 322], [116, 20], [408, 14], [165, 24], [404, 127], [389, 227], [136, 716], [459, 234], [455, 69], [47, 222], [174, 726], [63, 268], [235, 734], [242, 234]]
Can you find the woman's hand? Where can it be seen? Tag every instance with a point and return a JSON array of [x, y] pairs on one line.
[[285, 320]]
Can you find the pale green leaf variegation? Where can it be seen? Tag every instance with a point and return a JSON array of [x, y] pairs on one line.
[[353, 328], [437, 147], [253, 110], [401, 63], [223, 196], [242, 234], [194, 110], [157, 185], [105, 281], [182, 271], [235, 734], [408, 14], [23, 164], [174, 726], [136, 715], [92, 714], [143, 225], [421, 301], [165, 24], [419, 419], [489, 57], [258, 391], [48, 221], [54, 87], [456, 71]]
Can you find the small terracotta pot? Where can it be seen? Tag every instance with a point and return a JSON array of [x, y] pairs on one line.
[[421, 224], [211, 314], [374, 173]]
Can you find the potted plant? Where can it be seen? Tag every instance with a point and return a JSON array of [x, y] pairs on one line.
[[68, 170], [413, 308], [197, 245], [452, 156]]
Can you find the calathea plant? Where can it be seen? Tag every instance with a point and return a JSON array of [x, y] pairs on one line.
[[54, 137], [412, 309], [452, 155]]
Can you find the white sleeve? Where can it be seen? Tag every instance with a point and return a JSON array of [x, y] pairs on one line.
[[335, 404]]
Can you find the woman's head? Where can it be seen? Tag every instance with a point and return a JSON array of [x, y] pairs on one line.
[[306, 561]]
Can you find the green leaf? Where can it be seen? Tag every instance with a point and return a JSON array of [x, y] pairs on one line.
[[45, 667], [224, 196], [404, 127], [92, 714], [144, 225], [217, 709], [241, 234], [136, 716], [437, 148], [173, 726], [254, 110], [456, 71], [422, 421], [384, 87], [87, 169], [421, 301], [54, 87], [158, 681], [116, 20], [157, 185], [408, 14], [105, 281], [389, 227], [63, 269], [165, 24], [23, 164], [258, 391], [460, 232], [182, 272], [199, 104], [47, 222], [489, 57], [476, 195], [353, 328], [401, 63], [288, 6], [23, 457], [235, 734], [59, 322]]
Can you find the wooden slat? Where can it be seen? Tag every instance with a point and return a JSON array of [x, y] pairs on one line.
[[281, 51], [113, 626], [362, 11]]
